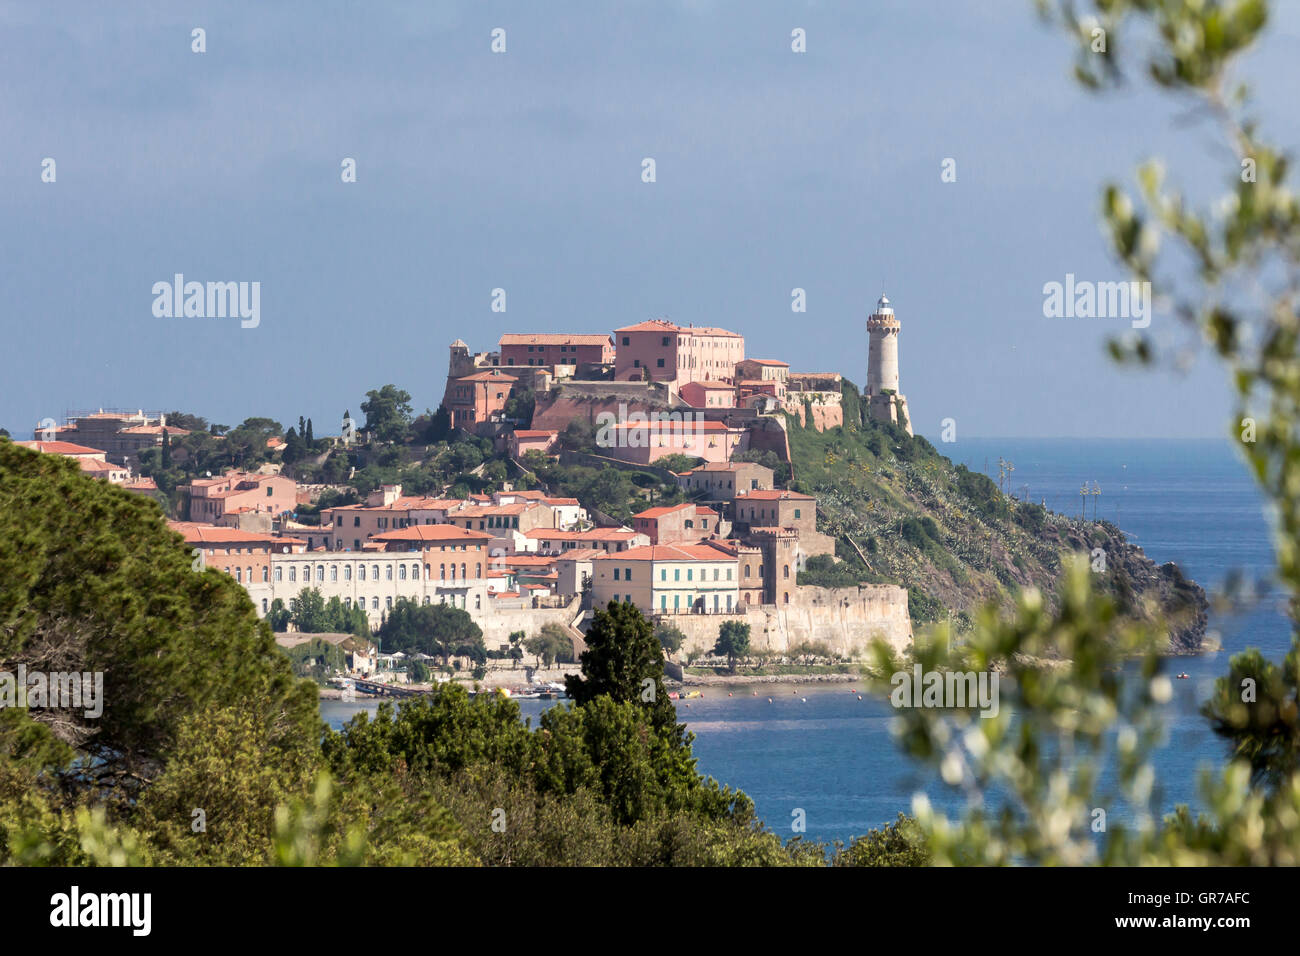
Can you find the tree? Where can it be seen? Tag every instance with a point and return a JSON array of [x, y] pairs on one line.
[[625, 661], [516, 647], [307, 612], [670, 637], [438, 630], [388, 413], [278, 617], [92, 580], [551, 644], [733, 641]]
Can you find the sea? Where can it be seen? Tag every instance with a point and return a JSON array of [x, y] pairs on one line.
[[820, 756]]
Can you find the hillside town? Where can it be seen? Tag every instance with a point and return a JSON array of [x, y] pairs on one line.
[[681, 403]]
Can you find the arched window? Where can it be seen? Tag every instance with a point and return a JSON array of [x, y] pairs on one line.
[[293, 572], [266, 574], [334, 572], [478, 570], [320, 572], [388, 571], [401, 572], [279, 573], [442, 572], [786, 569], [347, 572], [415, 571], [238, 575]]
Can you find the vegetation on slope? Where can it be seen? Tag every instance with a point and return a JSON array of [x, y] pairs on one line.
[[903, 513]]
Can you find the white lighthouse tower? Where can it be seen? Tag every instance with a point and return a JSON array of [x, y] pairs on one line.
[[884, 401]]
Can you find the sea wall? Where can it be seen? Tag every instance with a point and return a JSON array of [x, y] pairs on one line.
[[844, 619]]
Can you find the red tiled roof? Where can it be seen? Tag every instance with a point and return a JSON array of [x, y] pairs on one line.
[[552, 338], [59, 448], [432, 532], [671, 552], [534, 433], [486, 377], [198, 533], [663, 325], [774, 495]]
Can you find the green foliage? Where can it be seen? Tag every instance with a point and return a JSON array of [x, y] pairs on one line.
[[900, 843], [670, 637], [388, 413], [678, 462], [439, 630], [92, 578], [550, 644], [733, 641]]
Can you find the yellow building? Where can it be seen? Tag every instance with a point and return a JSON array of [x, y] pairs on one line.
[[669, 579]]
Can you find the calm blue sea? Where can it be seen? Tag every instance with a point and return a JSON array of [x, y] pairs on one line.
[[823, 751]]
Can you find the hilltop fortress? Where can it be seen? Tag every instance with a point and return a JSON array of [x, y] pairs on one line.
[[656, 367]]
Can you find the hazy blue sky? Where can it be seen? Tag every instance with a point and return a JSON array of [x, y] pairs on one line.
[[522, 171]]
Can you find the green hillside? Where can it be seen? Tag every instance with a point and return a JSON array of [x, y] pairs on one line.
[[902, 513]]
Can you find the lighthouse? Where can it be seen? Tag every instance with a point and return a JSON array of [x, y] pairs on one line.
[[884, 400]]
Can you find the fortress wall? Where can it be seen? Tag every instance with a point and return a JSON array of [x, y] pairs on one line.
[[845, 619]]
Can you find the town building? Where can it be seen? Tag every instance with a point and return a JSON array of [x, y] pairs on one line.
[[121, 435], [229, 499], [721, 481], [609, 540], [669, 579], [546, 348], [661, 351], [476, 398], [677, 524]]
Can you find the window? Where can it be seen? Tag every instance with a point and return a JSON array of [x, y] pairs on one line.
[[266, 574], [293, 573], [415, 572], [661, 363], [264, 608], [320, 572], [690, 574], [627, 574], [798, 513], [616, 574], [268, 491], [677, 574], [663, 574], [786, 571], [401, 572], [347, 572], [388, 572], [334, 572], [626, 340], [374, 604], [237, 575], [356, 521], [388, 601], [615, 598], [665, 341], [279, 573]]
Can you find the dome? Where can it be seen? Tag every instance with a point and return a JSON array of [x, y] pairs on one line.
[[883, 307]]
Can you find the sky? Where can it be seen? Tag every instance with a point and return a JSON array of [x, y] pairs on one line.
[[522, 171]]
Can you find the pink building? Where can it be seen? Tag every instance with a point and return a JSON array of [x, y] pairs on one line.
[[661, 351], [679, 524], [523, 440], [709, 395], [522, 349], [644, 444], [212, 499]]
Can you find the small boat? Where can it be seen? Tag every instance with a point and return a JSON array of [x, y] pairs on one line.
[[1184, 676], [690, 694]]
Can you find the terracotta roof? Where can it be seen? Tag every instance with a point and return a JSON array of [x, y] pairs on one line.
[[432, 532], [579, 554], [663, 325], [669, 509], [671, 552], [595, 534], [552, 338], [141, 484], [486, 377], [534, 433], [774, 495], [93, 464], [769, 362], [59, 448], [198, 533]]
